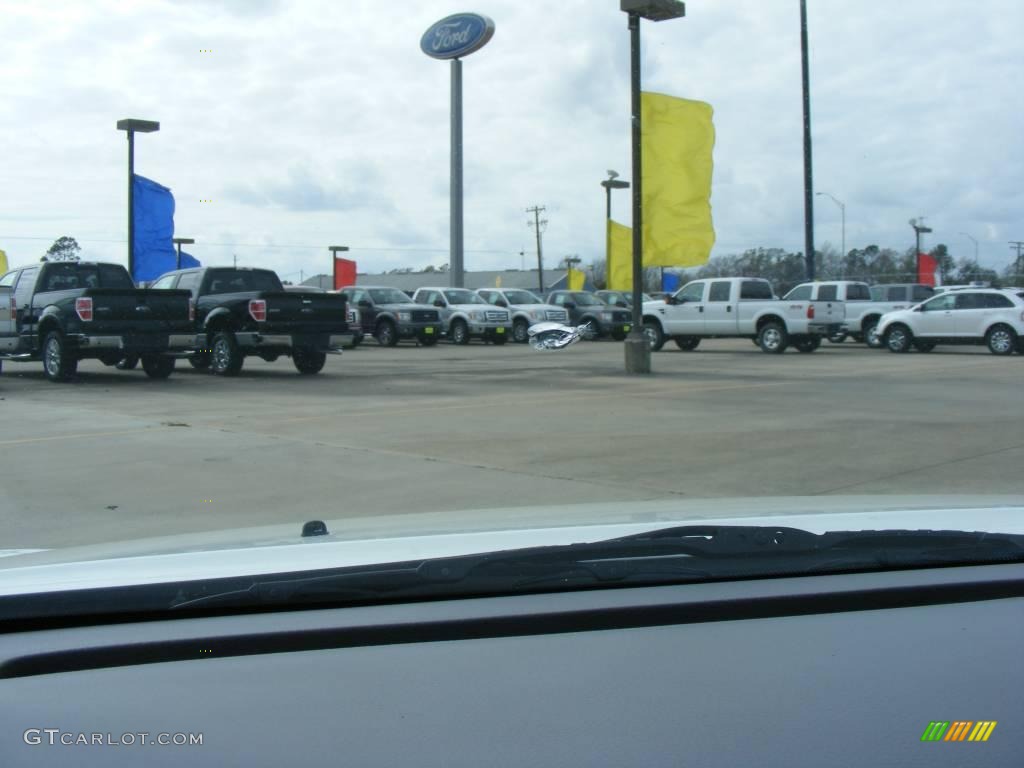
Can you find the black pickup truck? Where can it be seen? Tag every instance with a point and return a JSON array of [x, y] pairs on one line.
[[242, 311], [68, 311]]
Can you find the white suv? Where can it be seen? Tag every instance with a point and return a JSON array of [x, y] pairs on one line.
[[979, 316]]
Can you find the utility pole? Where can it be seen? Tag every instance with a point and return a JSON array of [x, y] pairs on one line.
[[808, 172], [1018, 244], [539, 225], [234, 259]]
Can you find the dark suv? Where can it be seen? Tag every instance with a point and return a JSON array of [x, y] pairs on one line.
[[389, 315], [585, 307]]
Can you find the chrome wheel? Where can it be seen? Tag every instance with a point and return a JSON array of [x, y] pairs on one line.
[[897, 339], [1001, 340], [771, 339], [52, 356]]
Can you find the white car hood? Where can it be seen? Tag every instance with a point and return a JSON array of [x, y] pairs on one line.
[[396, 538]]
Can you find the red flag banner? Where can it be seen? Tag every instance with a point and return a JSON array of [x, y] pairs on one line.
[[344, 273], [926, 268]]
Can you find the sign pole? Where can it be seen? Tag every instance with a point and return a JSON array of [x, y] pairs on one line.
[[457, 277]]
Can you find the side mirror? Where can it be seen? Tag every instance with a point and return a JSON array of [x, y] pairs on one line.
[[365, 303], [919, 308], [501, 303], [570, 305], [439, 303]]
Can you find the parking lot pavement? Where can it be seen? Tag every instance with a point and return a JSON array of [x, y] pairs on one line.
[[114, 455]]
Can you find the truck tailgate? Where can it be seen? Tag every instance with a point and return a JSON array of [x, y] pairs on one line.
[[138, 311], [304, 312]]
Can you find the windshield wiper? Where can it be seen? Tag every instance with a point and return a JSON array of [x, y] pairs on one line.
[[669, 555]]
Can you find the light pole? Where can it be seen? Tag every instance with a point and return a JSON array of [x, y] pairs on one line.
[[132, 126], [969, 237], [808, 169], [842, 210], [180, 241], [539, 225], [612, 182], [637, 350], [919, 229]]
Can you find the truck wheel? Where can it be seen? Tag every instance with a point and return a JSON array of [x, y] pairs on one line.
[[387, 334], [870, 335], [158, 366], [1001, 340], [898, 338], [520, 331], [688, 343], [308, 361], [225, 357], [772, 338], [808, 345], [837, 338], [593, 331], [460, 332], [200, 361], [654, 335], [127, 363], [59, 364]]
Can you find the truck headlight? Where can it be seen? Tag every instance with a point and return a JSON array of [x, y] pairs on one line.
[[478, 316], [607, 315], [535, 315], [405, 317]]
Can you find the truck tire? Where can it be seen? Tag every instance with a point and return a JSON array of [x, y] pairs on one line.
[[127, 363], [808, 345], [687, 343], [308, 361], [654, 335], [225, 357], [870, 337], [387, 334], [837, 338], [520, 331], [772, 338], [898, 338], [200, 361], [460, 332], [59, 363], [1001, 340], [158, 366]]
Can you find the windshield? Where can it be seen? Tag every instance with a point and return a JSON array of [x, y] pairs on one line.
[[388, 296], [230, 147], [463, 297], [522, 297]]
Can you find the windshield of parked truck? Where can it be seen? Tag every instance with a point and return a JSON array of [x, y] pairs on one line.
[[522, 297], [388, 296]]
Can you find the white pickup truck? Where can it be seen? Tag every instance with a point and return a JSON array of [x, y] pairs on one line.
[[739, 307], [864, 304], [8, 321]]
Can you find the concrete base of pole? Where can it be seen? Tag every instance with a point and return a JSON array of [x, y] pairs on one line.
[[638, 354]]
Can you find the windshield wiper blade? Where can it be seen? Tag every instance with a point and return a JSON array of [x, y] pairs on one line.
[[677, 554]]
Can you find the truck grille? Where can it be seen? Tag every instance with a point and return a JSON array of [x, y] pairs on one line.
[[559, 316], [497, 317], [424, 315]]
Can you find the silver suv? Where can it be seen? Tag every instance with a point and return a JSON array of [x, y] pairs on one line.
[[465, 316], [527, 309]]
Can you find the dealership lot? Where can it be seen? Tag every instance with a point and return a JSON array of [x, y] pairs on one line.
[[410, 429]]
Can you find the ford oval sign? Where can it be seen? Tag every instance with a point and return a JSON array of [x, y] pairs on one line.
[[458, 35]]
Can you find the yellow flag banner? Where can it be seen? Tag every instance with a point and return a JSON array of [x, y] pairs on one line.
[[576, 279], [3, 262], [677, 141], [620, 257]]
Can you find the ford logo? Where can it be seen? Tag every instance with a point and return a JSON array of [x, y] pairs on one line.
[[458, 35]]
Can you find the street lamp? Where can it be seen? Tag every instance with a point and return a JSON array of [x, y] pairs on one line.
[[842, 210], [919, 229], [612, 182], [132, 126], [180, 241], [969, 237], [638, 353]]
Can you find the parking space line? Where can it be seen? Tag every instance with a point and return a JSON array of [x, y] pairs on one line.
[[77, 436]]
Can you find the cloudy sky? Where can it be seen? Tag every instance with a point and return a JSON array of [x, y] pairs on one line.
[[310, 123]]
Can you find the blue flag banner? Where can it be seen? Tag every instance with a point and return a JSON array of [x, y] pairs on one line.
[[670, 282], [154, 229], [188, 261]]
